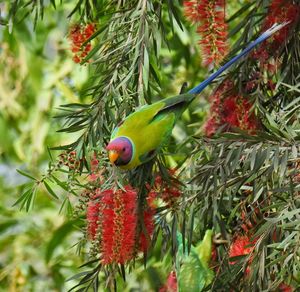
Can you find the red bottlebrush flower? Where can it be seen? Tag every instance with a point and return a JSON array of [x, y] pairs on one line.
[[230, 110], [118, 224], [214, 120], [88, 47], [230, 113], [171, 284], [148, 223], [89, 30], [78, 35], [83, 55], [279, 11], [209, 15], [261, 54], [191, 10], [242, 245], [247, 120], [171, 194], [210, 127], [113, 214], [75, 49]]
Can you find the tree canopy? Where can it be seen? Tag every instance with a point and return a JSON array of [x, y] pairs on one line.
[[215, 210]]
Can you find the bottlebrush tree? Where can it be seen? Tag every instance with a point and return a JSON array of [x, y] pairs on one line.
[[235, 170]]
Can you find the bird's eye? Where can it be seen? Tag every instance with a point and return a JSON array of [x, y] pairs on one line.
[[124, 149]]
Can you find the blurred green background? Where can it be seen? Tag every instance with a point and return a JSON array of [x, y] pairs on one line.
[[37, 75]]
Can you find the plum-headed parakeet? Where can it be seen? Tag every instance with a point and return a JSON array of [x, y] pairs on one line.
[[137, 138]]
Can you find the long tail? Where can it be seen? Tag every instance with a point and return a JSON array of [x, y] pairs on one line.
[[264, 36]]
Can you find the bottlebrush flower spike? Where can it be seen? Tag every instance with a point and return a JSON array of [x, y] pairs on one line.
[[78, 35], [211, 126], [118, 224], [112, 220], [231, 110], [279, 11], [242, 245], [209, 15]]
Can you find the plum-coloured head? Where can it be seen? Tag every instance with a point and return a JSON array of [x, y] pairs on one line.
[[120, 151]]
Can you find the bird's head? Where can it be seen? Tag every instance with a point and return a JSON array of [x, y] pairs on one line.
[[120, 151]]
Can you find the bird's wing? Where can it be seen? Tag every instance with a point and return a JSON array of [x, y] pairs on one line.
[[150, 115], [138, 120], [176, 104]]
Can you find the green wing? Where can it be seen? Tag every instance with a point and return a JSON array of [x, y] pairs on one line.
[[154, 112], [176, 105]]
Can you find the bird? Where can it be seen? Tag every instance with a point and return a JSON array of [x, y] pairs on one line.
[[137, 139]]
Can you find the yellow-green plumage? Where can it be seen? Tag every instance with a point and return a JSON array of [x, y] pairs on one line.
[[150, 126]]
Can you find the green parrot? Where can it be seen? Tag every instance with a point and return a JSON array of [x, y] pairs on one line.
[[138, 137]]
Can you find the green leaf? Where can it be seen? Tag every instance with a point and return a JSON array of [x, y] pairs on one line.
[[51, 192], [26, 174], [294, 151], [146, 68], [191, 228], [276, 159], [258, 194], [237, 14], [252, 158], [78, 275], [77, 7], [27, 198], [283, 164], [173, 12], [63, 185], [260, 159]]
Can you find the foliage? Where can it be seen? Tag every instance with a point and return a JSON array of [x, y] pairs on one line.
[[35, 77], [240, 183]]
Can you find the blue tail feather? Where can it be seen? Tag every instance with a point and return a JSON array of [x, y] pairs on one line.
[[261, 38]]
